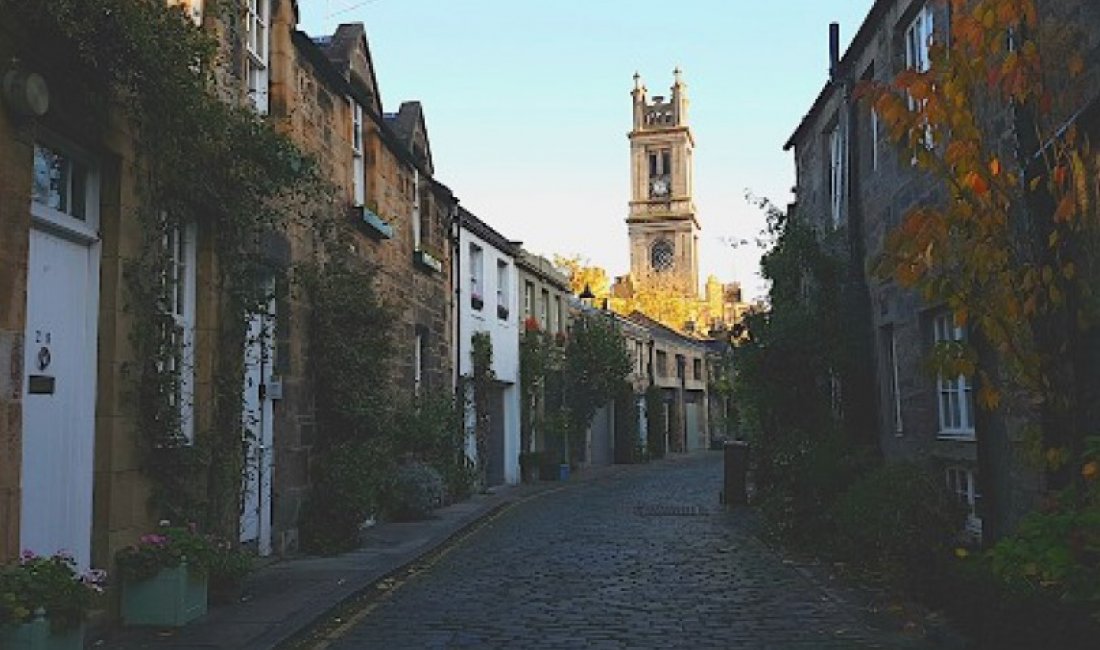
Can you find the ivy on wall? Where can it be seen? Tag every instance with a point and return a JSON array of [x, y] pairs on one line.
[[482, 382], [200, 158]]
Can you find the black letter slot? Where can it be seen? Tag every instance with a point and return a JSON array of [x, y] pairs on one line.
[[40, 385]]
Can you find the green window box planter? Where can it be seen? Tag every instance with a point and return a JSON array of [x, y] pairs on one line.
[[374, 224], [37, 635], [428, 261], [174, 597]]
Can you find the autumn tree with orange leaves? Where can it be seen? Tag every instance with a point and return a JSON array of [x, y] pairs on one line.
[[999, 118], [1013, 248]]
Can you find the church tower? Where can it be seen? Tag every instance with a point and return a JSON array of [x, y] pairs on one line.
[[663, 230]]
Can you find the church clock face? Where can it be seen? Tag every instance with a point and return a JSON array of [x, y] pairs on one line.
[[661, 255]]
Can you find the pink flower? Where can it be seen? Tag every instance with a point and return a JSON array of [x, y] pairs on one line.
[[27, 556], [154, 539]]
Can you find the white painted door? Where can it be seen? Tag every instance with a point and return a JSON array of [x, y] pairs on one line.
[[59, 361], [258, 417]]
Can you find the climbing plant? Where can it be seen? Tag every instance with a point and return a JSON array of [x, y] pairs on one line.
[[1012, 251], [202, 160], [539, 355], [482, 382]]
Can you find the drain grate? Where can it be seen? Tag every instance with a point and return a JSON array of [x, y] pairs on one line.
[[668, 510]]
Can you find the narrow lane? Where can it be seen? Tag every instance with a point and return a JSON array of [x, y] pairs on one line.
[[641, 559]]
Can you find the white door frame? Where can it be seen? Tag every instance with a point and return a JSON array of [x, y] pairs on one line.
[[57, 476], [258, 414]]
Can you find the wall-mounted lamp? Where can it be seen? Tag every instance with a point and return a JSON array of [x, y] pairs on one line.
[[587, 296], [25, 93]]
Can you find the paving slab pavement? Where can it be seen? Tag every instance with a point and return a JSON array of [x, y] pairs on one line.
[[284, 598]]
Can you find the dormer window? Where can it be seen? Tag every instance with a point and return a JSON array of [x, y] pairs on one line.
[[417, 224], [358, 181], [258, 33]]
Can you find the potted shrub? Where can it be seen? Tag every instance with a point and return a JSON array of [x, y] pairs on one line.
[[43, 602], [417, 490], [165, 577], [530, 463], [228, 568]]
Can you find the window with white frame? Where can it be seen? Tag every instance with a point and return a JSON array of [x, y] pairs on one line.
[[529, 300], [874, 140], [963, 483], [477, 296], [358, 180], [180, 280], [544, 309], [419, 358], [258, 38], [836, 176], [425, 208], [918, 39], [955, 399], [503, 286], [62, 182], [891, 370], [918, 42], [417, 227]]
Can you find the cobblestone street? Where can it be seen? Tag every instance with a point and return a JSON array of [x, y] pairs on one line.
[[643, 558]]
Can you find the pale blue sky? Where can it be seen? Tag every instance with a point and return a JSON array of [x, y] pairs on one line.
[[528, 105]]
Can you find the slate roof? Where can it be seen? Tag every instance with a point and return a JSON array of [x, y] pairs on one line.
[[662, 331], [404, 124]]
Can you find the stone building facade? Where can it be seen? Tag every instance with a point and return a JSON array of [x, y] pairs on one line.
[[68, 231], [544, 295], [855, 186], [69, 193], [324, 94], [678, 367]]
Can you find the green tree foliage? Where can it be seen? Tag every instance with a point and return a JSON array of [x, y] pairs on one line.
[[596, 364]]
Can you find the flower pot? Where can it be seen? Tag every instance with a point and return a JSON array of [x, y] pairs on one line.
[[173, 597], [38, 635]]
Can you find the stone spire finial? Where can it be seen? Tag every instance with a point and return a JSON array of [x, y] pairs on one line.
[[637, 81]]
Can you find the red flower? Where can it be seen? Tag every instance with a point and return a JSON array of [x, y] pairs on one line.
[[531, 324]]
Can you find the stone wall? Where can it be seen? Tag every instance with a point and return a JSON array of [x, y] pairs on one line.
[[885, 185]]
